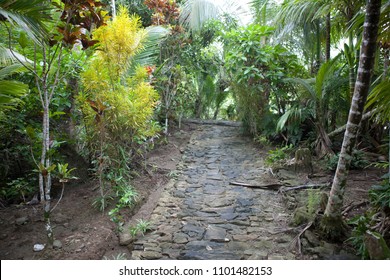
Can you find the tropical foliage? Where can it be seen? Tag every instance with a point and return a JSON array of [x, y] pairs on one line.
[[110, 83]]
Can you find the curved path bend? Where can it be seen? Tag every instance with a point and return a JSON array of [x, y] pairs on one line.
[[201, 216]]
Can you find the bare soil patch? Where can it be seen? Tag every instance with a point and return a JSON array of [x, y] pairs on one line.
[[86, 233]]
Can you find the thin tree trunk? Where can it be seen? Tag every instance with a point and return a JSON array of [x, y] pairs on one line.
[[46, 160], [332, 223], [352, 74], [328, 30], [166, 123], [113, 7], [318, 47]]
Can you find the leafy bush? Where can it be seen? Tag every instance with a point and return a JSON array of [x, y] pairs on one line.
[[380, 195], [361, 224], [374, 219], [18, 190], [278, 156], [358, 161], [257, 71], [117, 105]]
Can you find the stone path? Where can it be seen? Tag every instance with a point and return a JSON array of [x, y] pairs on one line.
[[201, 216]]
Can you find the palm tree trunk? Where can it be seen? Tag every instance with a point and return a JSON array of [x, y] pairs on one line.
[[318, 46], [328, 30], [332, 223], [352, 74]]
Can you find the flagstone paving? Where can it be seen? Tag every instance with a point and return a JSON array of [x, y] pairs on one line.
[[200, 215]]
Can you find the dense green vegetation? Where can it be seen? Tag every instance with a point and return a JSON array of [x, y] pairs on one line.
[[110, 82]]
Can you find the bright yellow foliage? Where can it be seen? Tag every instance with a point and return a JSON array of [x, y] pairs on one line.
[[119, 41], [130, 101]]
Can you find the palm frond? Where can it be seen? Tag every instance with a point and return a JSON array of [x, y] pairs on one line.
[[208, 89], [384, 31], [9, 70], [357, 22], [379, 99], [325, 73], [148, 55], [195, 13], [151, 50], [307, 84], [8, 57], [295, 114], [10, 91], [27, 15]]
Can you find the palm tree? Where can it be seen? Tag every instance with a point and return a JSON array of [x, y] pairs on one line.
[[29, 15], [322, 94], [332, 223], [298, 17], [195, 13]]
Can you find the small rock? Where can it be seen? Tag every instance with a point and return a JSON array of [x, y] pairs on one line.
[[38, 247], [245, 237], [376, 246], [3, 236], [57, 244], [60, 218], [286, 174], [277, 257], [125, 238], [283, 239], [138, 247], [151, 255], [215, 234], [180, 238], [312, 238], [323, 251], [259, 256], [21, 221], [240, 223]]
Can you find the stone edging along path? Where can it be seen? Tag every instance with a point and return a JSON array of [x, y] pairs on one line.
[[201, 216]]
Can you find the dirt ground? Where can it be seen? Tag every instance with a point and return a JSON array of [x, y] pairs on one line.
[[86, 233]]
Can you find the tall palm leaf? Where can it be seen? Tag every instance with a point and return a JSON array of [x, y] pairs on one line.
[[148, 55], [28, 15], [197, 12], [379, 98], [10, 90], [320, 91], [8, 57]]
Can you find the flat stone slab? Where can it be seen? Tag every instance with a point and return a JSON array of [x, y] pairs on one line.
[[215, 234]]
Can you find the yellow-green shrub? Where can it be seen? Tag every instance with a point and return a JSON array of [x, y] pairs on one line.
[[117, 108]]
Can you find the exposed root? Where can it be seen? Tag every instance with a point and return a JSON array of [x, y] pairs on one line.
[[297, 239], [352, 206]]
